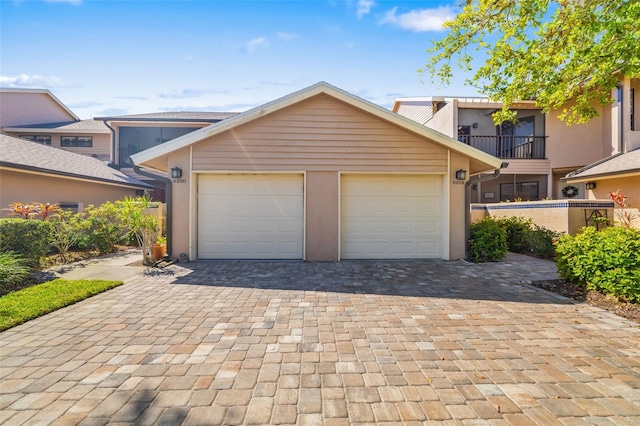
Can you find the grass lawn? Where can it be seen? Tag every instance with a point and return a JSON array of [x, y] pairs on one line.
[[29, 303]]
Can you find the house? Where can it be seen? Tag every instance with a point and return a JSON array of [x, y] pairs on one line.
[[620, 171], [318, 175], [130, 134], [46, 174], [539, 148], [37, 115]]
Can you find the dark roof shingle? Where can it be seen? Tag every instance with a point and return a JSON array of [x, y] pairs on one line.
[[22, 154]]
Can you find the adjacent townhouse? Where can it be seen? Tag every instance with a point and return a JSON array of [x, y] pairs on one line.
[[130, 134], [540, 149], [318, 175]]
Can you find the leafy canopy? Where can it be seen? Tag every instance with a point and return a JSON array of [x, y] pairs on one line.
[[553, 51]]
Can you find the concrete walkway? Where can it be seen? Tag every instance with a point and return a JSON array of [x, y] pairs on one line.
[[415, 342], [109, 267]]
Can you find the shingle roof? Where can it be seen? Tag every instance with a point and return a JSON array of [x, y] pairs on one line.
[[618, 164], [21, 154], [83, 125], [173, 116]]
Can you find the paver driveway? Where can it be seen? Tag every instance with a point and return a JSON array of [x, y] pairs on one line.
[[324, 343]]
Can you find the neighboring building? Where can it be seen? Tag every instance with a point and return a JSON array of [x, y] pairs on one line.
[[130, 134], [33, 172], [318, 175], [539, 148], [37, 115]]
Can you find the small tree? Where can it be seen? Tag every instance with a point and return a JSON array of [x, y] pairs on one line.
[[143, 226], [67, 231]]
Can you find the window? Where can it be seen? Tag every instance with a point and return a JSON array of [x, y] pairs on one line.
[[464, 133], [44, 140], [527, 191], [76, 141]]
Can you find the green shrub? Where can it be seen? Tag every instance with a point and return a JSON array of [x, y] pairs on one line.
[[68, 229], [102, 228], [488, 241], [541, 242], [517, 229], [13, 270], [30, 239], [607, 260]]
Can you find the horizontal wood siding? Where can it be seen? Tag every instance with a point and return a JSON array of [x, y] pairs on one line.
[[18, 109], [320, 134], [528, 167]]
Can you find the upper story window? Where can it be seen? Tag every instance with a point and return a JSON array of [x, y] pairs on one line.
[[76, 141], [44, 140]]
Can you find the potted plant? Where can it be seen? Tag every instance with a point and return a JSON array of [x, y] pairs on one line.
[[160, 247]]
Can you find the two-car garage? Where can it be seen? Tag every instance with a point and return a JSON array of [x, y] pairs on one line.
[[318, 175], [262, 216]]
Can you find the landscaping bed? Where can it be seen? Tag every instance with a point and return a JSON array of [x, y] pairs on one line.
[[609, 303]]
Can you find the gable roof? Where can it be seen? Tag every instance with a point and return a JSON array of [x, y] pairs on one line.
[[187, 116], [16, 153], [91, 126], [481, 161], [618, 165], [40, 91]]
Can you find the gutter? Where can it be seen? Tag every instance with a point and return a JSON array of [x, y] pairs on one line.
[[467, 202], [168, 198], [113, 142]]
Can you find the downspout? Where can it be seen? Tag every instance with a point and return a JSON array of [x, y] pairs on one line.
[[113, 142], [168, 198], [467, 202]]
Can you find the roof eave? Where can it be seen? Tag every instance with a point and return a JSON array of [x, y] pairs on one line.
[[52, 130], [601, 176], [301, 95]]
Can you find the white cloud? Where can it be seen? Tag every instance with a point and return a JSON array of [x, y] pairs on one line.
[[254, 43], [364, 7], [32, 81], [73, 2], [419, 20], [287, 36]]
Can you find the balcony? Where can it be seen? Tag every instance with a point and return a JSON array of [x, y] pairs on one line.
[[508, 147]]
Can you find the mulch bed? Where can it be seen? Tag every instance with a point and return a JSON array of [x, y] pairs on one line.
[[626, 310]]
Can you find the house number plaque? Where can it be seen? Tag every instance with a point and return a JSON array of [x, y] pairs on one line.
[[180, 180]]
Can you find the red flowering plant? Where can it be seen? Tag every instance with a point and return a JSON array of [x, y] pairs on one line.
[[32, 210], [625, 217]]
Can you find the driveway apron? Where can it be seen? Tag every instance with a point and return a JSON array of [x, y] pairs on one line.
[[325, 344]]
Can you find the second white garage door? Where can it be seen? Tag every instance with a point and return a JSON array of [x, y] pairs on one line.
[[391, 216], [250, 216]]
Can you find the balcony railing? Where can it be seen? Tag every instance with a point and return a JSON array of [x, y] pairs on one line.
[[124, 154], [514, 147]]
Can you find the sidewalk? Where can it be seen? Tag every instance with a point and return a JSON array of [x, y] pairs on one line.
[[109, 267]]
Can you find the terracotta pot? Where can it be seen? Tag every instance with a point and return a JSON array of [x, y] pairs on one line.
[[159, 251]]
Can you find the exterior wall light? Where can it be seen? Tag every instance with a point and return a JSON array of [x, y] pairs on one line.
[[176, 172], [590, 185], [461, 174]]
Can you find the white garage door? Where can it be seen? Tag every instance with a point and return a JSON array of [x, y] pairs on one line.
[[391, 216], [250, 216]]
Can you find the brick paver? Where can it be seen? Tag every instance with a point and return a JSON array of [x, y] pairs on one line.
[[324, 344]]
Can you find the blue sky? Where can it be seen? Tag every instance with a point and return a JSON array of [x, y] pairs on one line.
[[127, 57]]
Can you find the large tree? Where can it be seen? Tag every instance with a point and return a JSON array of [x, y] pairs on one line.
[[566, 54]]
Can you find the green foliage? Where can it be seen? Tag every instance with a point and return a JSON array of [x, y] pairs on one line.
[[68, 229], [488, 241], [27, 238], [133, 215], [102, 228], [32, 302], [607, 260], [566, 55], [13, 270], [517, 229], [542, 242]]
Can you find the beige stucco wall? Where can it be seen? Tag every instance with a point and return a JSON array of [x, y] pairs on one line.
[[548, 214], [321, 137], [446, 120], [580, 144], [27, 187], [630, 186]]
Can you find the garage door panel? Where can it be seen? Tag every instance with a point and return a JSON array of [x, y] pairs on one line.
[[391, 216], [250, 216]]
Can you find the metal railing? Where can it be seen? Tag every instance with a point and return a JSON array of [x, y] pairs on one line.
[[514, 147]]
